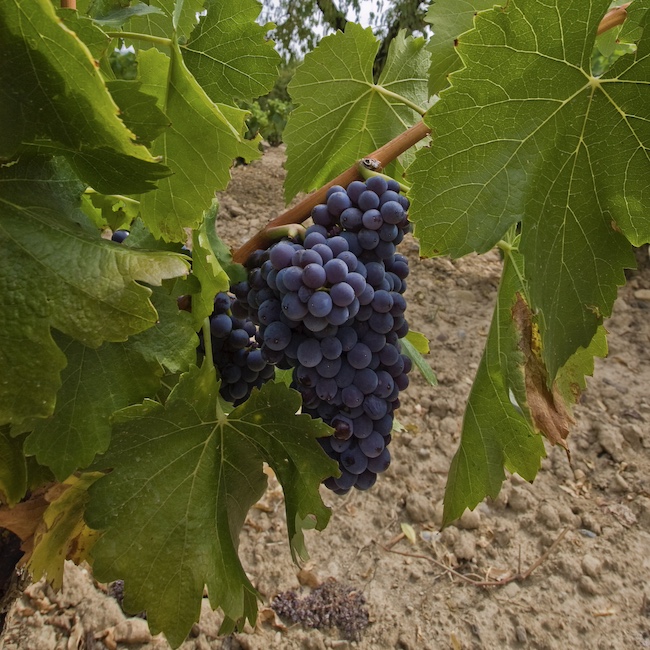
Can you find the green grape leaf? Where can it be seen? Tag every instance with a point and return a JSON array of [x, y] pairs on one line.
[[56, 101], [94, 385], [118, 16], [185, 14], [156, 24], [228, 52], [92, 293], [109, 210], [341, 115], [527, 134], [13, 468], [236, 272], [449, 19], [94, 38], [138, 110], [184, 476], [497, 429], [418, 341], [414, 353], [204, 137], [172, 341], [206, 268]]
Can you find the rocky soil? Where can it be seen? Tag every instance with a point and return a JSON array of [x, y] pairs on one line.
[[592, 587]]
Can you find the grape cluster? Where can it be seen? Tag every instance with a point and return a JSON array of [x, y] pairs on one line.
[[236, 352], [332, 308]]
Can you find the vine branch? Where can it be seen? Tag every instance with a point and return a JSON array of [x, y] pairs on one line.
[[302, 210], [69, 4]]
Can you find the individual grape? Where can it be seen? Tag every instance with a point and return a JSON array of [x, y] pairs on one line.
[[377, 184], [324, 251], [365, 480], [392, 212], [338, 202], [382, 301], [315, 324], [353, 243], [349, 258], [340, 445], [238, 339], [346, 375], [280, 255], [320, 304], [342, 294], [373, 445], [363, 426], [119, 236], [314, 238], [388, 195], [374, 407], [352, 396], [293, 307], [368, 201], [343, 427], [355, 189], [277, 336], [331, 347], [269, 311], [333, 190], [368, 239], [372, 220], [328, 368], [221, 325], [321, 216], [346, 481], [336, 271], [351, 219], [326, 389], [381, 463], [382, 323], [338, 245], [354, 460], [366, 381], [314, 276], [309, 353], [359, 356], [338, 315]]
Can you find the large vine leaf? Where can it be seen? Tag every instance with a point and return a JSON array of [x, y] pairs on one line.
[[228, 53], [183, 477], [13, 468], [341, 115], [138, 110], [172, 341], [449, 19], [199, 147], [513, 400], [526, 133], [92, 293], [54, 98], [94, 385], [497, 428]]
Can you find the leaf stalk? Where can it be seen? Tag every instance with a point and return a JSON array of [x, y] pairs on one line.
[[207, 342], [137, 36], [389, 94]]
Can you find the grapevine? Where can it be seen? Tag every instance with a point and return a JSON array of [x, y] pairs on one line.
[[141, 389]]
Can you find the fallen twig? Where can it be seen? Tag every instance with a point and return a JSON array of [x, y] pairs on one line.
[[519, 576]]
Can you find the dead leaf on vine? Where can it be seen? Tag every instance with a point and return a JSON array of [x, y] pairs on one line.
[[547, 407], [24, 518]]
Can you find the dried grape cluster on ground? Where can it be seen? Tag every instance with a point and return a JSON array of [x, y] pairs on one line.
[[591, 592]]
